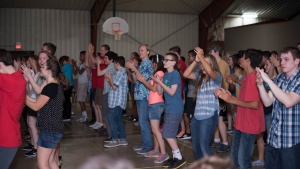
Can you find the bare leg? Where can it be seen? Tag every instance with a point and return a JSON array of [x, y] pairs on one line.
[[260, 146], [187, 123], [222, 129], [43, 156], [182, 125], [82, 106], [53, 159], [173, 143], [31, 120], [157, 137], [229, 115]]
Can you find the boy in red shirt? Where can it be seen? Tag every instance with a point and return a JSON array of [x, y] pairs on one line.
[[250, 115], [12, 98]]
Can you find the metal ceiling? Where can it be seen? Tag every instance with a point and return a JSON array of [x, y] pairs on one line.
[[269, 9]]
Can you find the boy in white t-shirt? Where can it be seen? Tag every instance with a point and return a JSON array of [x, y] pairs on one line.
[[82, 85]]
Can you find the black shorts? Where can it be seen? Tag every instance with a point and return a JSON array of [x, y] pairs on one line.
[[30, 112], [189, 106], [222, 111]]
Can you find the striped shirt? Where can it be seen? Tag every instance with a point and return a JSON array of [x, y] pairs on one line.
[[207, 103], [285, 127], [118, 97]]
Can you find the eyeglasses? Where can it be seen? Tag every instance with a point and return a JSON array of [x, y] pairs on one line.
[[167, 60]]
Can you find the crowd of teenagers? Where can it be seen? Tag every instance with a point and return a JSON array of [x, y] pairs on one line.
[[258, 92]]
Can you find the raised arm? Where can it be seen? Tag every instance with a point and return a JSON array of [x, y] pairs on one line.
[[99, 71], [288, 99], [206, 66], [38, 89], [188, 73], [90, 59]]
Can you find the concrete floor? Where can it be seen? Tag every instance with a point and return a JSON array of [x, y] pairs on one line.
[[81, 142]]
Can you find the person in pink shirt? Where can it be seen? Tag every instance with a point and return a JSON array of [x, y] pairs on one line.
[[156, 108]]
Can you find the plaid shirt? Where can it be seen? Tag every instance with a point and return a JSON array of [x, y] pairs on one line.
[[118, 97], [285, 127]]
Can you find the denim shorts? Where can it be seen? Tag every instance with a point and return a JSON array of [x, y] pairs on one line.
[[49, 139], [155, 110]]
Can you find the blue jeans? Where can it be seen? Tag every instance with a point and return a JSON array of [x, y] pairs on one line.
[[282, 158], [116, 123], [6, 156], [242, 149], [142, 108], [202, 132]]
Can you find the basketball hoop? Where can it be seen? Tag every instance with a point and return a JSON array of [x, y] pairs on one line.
[[115, 26], [117, 35]]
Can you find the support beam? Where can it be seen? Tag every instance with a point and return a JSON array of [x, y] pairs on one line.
[[96, 13], [208, 16]]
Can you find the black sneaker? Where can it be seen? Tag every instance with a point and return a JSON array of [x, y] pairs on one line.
[[60, 159], [223, 148], [29, 147], [177, 163], [31, 153], [186, 136], [107, 140], [135, 120], [168, 163]]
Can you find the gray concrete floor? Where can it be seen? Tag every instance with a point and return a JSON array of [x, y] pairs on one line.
[[81, 142]]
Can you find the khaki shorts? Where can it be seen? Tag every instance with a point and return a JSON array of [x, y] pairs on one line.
[[82, 92], [98, 96]]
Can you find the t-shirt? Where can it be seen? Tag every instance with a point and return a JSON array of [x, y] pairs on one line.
[[225, 71], [67, 69], [98, 81], [207, 103], [192, 83], [12, 98], [112, 70], [174, 104], [154, 97], [49, 117], [250, 120], [82, 78], [182, 68]]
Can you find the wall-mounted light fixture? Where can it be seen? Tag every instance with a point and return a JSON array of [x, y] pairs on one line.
[[249, 15]]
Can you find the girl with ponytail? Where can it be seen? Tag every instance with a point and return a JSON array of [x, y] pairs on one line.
[[49, 105], [205, 119]]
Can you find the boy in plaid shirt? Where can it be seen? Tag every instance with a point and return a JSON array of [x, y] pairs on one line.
[[117, 99]]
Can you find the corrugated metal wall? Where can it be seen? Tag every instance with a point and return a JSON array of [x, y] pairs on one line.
[[69, 30], [160, 31]]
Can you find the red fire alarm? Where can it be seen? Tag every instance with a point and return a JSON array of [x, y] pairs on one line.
[[18, 46]]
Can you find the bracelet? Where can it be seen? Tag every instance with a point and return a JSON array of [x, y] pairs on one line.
[[196, 61]]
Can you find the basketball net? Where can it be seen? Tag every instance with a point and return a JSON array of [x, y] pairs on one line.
[[117, 35]]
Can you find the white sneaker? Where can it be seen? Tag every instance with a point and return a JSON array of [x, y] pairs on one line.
[[84, 119], [93, 125], [98, 126], [80, 119]]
